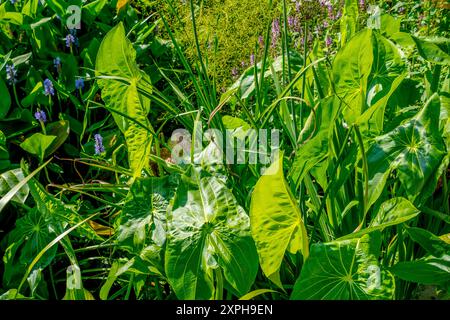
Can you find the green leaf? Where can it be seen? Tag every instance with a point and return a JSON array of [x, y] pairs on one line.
[[431, 243], [37, 144], [74, 285], [207, 229], [351, 69], [345, 270], [392, 212], [414, 149], [9, 180], [5, 100], [62, 214], [389, 25], [315, 137], [428, 50], [117, 268], [119, 78], [60, 130], [431, 52], [349, 20], [366, 71], [142, 222], [428, 270], [31, 234], [256, 293], [276, 221]]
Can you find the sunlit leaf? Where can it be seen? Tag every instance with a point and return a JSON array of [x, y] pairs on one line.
[[207, 230], [343, 270], [276, 221]]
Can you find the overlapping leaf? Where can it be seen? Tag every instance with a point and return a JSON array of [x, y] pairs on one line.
[[343, 270], [276, 221], [207, 230], [119, 80]]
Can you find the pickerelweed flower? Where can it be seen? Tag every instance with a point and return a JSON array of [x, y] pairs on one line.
[[291, 21], [99, 148], [275, 31], [11, 74], [40, 116], [79, 83], [48, 87], [234, 72], [57, 64], [70, 40], [252, 59], [261, 41]]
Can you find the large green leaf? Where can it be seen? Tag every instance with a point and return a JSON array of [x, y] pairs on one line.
[[37, 144], [430, 242], [366, 71], [119, 79], [207, 230], [392, 212], [414, 149], [31, 234], [343, 270], [428, 270], [276, 221], [143, 218], [351, 69]]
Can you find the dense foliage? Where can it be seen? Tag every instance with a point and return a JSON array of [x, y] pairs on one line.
[[102, 199]]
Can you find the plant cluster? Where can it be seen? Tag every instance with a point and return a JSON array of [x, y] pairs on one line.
[[128, 171]]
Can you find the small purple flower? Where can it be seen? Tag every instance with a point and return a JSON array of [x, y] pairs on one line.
[[40, 116], [325, 24], [275, 31], [48, 87], [362, 4], [70, 40], [328, 41], [11, 74], [401, 10], [330, 11], [234, 72], [99, 148], [291, 21], [261, 41], [252, 59], [297, 6], [243, 64], [79, 83]]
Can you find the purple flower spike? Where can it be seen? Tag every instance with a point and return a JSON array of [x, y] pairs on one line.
[[79, 83], [11, 74], [261, 41], [275, 32], [70, 39], [252, 59], [48, 87], [234, 72], [328, 41], [99, 148], [40, 116]]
